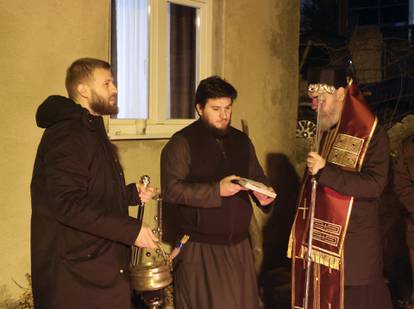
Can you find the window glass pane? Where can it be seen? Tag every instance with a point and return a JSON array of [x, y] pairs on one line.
[[395, 15], [367, 17], [411, 12], [362, 3], [132, 42], [182, 60]]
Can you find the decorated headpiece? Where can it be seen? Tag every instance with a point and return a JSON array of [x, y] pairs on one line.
[[325, 80]]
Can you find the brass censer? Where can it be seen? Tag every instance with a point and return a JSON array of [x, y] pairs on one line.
[[150, 270]]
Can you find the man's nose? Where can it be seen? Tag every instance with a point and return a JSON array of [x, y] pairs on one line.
[[315, 103]]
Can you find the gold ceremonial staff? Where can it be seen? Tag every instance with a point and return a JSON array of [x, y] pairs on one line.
[[320, 89]]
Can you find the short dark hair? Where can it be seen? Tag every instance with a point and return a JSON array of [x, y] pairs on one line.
[[214, 87], [81, 70]]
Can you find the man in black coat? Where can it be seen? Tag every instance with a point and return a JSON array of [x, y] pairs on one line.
[[81, 232]]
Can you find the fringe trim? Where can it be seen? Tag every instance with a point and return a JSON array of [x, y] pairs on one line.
[[323, 258]]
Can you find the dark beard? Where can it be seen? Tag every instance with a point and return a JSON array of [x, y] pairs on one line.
[[101, 106], [217, 133]]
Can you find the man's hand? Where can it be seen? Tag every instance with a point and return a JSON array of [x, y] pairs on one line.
[[228, 188], [315, 162], [146, 239], [264, 200], [146, 193]]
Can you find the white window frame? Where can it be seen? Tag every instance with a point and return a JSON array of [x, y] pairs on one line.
[[157, 126]]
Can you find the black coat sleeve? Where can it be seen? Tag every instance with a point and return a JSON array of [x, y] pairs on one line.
[[132, 194], [404, 175], [175, 167], [67, 182]]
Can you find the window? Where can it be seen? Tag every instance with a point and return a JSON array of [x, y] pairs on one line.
[[379, 12], [160, 50]]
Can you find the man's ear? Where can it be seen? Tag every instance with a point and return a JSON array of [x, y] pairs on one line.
[[340, 94], [83, 90], [199, 109]]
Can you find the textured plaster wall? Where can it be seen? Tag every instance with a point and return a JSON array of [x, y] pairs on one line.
[[260, 58], [255, 48]]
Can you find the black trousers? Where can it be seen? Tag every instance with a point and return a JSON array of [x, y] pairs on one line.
[[373, 296]]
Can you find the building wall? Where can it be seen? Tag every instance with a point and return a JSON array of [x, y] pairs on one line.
[[260, 58], [255, 49]]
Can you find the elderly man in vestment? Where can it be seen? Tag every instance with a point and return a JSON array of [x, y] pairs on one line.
[[335, 241]]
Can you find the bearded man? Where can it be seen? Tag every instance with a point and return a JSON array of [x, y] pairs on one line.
[[81, 233], [340, 266], [199, 168]]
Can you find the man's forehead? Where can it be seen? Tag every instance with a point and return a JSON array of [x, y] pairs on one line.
[[102, 74], [220, 102]]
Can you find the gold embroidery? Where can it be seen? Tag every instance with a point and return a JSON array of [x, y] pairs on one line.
[[321, 88], [326, 238], [346, 150], [327, 227]]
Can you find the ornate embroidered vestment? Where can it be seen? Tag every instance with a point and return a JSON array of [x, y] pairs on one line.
[[344, 146]]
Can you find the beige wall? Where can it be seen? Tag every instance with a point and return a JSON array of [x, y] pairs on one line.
[[255, 48], [260, 59]]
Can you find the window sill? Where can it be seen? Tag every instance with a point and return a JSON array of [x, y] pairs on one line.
[[123, 137], [141, 129]]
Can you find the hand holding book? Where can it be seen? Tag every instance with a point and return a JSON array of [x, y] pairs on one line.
[[229, 186], [263, 193]]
